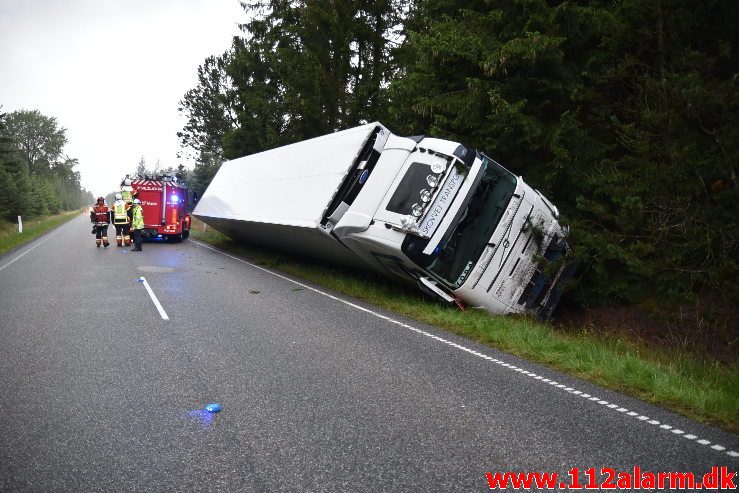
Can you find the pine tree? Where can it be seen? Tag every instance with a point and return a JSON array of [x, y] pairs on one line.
[[141, 170], [625, 114]]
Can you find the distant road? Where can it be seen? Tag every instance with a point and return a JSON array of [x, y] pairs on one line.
[[99, 392]]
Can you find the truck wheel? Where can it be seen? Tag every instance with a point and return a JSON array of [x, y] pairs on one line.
[[186, 234], [175, 238]]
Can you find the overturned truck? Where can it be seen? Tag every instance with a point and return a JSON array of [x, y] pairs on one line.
[[421, 210]]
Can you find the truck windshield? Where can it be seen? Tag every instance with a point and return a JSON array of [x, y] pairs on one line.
[[461, 249]]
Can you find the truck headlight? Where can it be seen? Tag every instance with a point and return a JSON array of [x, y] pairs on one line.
[[438, 167], [417, 210], [432, 180], [425, 195]]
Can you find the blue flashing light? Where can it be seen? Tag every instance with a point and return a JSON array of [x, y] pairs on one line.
[[437, 250], [175, 199], [213, 407]]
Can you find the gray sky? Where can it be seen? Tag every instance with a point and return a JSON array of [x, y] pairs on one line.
[[111, 72]]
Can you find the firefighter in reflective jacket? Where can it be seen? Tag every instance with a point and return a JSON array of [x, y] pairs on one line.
[[100, 217], [127, 190], [137, 224], [120, 221]]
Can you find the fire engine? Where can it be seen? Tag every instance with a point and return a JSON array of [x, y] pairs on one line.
[[164, 203]]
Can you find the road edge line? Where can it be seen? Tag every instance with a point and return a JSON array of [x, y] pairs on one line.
[[34, 246]]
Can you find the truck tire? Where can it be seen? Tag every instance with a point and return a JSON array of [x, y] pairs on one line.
[[175, 238], [186, 234]]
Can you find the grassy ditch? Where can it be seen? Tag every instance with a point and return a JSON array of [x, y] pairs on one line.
[[697, 387], [10, 238]]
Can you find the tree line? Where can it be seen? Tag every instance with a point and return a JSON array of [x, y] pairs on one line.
[[35, 178], [624, 113]]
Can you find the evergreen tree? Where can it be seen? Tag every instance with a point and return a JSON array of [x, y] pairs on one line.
[[202, 174], [625, 114], [300, 70], [141, 170], [209, 107]]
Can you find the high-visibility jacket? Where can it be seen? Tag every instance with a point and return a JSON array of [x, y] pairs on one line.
[[138, 217], [119, 212], [126, 193]]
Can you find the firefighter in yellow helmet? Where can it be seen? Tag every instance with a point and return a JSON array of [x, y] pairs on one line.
[[121, 221], [137, 224]]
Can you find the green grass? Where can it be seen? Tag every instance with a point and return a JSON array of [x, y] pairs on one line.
[[694, 386], [9, 237]]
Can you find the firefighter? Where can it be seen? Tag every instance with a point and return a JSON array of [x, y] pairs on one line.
[[100, 217], [137, 224], [126, 190], [120, 221]]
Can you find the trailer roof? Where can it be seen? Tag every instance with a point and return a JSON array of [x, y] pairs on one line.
[[290, 185]]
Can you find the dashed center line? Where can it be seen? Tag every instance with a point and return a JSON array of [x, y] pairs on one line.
[[570, 390], [154, 299]]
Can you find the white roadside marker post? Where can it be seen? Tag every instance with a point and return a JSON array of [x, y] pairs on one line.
[[20, 225]]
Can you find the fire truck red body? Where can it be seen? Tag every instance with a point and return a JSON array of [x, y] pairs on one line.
[[164, 204]]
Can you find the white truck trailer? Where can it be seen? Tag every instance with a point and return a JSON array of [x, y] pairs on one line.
[[426, 211]]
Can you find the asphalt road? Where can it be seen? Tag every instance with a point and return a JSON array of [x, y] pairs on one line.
[[98, 392]]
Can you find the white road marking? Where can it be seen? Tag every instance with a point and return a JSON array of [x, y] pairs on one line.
[[731, 453], [34, 246], [154, 299]]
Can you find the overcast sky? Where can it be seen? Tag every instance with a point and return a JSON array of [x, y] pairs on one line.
[[111, 72]]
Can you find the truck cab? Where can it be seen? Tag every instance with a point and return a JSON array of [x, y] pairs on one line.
[[458, 224]]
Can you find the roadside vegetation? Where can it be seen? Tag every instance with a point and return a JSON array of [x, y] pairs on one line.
[[37, 179], [691, 384], [10, 238]]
